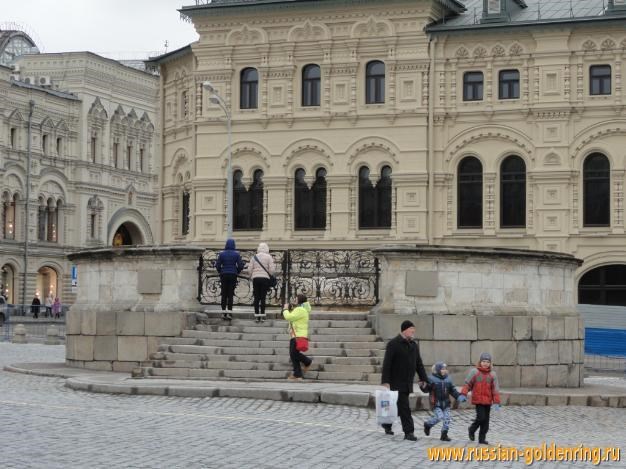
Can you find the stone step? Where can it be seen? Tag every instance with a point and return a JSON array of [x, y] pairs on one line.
[[189, 334], [258, 366], [316, 315], [284, 342], [283, 329], [237, 324]]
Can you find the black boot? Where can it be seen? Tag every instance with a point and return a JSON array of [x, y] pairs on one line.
[[482, 439], [410, 437], [444, 436], [471, 432], [427, 429], [388, 430]]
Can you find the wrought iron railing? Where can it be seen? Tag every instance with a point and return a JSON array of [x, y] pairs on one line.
[[326, 277]]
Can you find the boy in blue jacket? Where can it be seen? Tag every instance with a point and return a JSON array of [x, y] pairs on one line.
[[228, 264], [441, 387]]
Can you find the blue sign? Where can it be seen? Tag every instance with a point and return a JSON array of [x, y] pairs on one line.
[[74, 276]]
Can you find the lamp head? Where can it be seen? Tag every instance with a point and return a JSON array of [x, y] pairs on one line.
[[207, 85], [213, 100]]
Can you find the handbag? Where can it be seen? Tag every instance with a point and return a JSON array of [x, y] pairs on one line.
[[273, 281], [386, 406], [302, 344]]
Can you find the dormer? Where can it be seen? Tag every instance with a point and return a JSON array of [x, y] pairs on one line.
[[499, 11], [616, 7]]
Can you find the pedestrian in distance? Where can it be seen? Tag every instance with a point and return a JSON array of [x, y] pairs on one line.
[[49, 301], [441, 387], [228, 264], [298, 318], [34, 307], [56, 308], [402, 360], [261, 270], [482, 382]]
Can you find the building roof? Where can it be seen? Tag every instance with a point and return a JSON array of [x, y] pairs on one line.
[[60, 94], [160, 59], [187, 11], [529, 12]]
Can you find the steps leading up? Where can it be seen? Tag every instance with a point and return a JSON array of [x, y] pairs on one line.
[[343, 346]]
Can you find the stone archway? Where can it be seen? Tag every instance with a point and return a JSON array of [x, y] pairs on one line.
[[47, 284], [8, 282], [127, 234]]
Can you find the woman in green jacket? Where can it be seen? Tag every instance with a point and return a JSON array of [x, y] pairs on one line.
[[298, 319]]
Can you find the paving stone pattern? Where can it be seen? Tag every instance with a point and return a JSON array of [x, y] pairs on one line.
[[45, 425]]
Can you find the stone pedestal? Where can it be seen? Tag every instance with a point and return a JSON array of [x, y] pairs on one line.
[[128, 300], [518, 305]]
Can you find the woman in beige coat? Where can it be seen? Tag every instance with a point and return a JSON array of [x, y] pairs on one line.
[[260, 267]]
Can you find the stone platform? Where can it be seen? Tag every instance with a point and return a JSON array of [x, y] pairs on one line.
[[597, 392]]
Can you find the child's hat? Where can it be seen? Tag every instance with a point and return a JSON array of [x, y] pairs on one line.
[[437, 367], [485, 356]]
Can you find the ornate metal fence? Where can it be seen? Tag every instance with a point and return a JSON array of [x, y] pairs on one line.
[[326, 277]]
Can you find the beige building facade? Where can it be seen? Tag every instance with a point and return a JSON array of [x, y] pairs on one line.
[[94, 166], [480, 123]]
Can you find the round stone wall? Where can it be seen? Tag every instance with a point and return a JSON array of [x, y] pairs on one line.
[[518, 305]]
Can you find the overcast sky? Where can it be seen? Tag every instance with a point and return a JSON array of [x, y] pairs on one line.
[[120, 29]]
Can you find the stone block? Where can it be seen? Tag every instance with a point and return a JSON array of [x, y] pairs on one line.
[[614, 401], [522, 327], [581, 329], [578, 400], [526, 352], [547, 352], [106, 323], [181, 391], [131, 323], [99, 366], [124, 367], [105, 347], [533, 376], [557, 376], [598, 401], [508, 376], [451, 352], [149, 282], [565, 352], [357, 399], [423, 327], [502, 352], [88, 323], [470, 280], [163, 324], [72, 322], [83, 347], [571, 327], [421, 283], [573, 376], [578, 355], [556, 400], [540, 328], [556, 328], [448, 327], [527, 399], [70, 348], [495, 327], [462, 295], [516, 296], [132, 348]]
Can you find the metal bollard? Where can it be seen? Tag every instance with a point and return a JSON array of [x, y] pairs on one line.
[[19, 334], [52, 335]]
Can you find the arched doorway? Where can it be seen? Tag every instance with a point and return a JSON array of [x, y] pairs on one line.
[[604, 285], [7, 282], [47, 283], [127, 234]]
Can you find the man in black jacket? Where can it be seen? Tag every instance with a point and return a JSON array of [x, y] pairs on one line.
[[402, 360]]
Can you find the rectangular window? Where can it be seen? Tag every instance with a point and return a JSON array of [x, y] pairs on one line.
[[93, 149], [141, 160], [92, 225], [59, 146], [473, 86], [115, 154], [185, 217], [44, 144], [13, 137], [509, 84], [129, 152], [600, 80]]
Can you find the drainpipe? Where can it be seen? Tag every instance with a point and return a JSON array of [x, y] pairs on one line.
[[31, 105], [430, 163]]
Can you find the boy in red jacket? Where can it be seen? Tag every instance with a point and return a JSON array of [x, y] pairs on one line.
[[483, 383]]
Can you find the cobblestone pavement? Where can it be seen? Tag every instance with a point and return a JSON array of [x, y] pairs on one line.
[[45, 425]]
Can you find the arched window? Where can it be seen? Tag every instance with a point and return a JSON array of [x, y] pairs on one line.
[[249, 89], [48, 220], [596, 191], [310, 203], [375, 82], [470, 193], [185, 214], [248, 203], [603, 286], [311, 84], [375, 202], [8, 216], [513, 192]]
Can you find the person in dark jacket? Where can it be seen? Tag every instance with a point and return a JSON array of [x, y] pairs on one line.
[[228, 265], [402, 360], [35, 307], [441, 387]]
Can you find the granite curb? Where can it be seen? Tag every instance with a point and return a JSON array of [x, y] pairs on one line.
[[356, 395]]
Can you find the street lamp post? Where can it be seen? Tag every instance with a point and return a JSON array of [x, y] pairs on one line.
[[215, 98]]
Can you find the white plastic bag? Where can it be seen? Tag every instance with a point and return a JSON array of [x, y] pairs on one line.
[[386, 406]]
